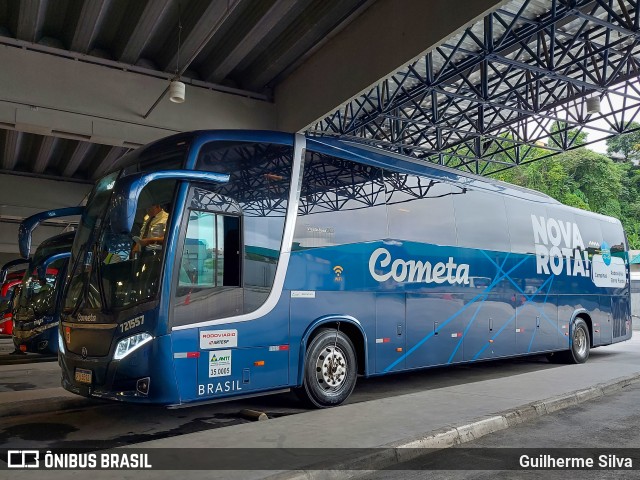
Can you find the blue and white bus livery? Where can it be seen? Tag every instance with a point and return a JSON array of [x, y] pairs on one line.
[[294, 262]]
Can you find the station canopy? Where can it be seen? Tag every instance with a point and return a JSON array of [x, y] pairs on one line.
[[243, 48], [481, 100], [530, 75]]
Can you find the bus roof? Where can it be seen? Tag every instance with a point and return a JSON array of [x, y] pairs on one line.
[[383, 158], [365, 154]]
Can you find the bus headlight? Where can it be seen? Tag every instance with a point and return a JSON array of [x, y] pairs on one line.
[[61, 343], [130, 344]]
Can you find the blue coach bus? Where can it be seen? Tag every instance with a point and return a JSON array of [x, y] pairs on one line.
[[35, 314], [36, 308], [293, 262]]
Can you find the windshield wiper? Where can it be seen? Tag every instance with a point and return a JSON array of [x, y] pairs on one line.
[[71, 276], [98, 265], [86, 281]]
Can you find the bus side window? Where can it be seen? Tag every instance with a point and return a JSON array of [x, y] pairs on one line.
[[590, 232], [481, 221], [420, 209], [613, 234], [341, 202], [519, 216], [210, 256]]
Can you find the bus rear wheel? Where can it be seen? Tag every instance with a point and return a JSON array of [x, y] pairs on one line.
[[330, 370], [580, 342], [580, 345]]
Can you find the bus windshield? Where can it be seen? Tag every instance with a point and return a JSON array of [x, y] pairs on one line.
[[128, 265], [37, 294], [82, 273], [94, 281]]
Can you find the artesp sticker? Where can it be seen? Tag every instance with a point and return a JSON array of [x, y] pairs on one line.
[[218, 339]]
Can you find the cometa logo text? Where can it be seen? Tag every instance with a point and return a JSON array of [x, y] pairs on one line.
[[383, 267]]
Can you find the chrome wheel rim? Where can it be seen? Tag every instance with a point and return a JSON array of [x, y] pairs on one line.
[[580, 342], [331, 368]]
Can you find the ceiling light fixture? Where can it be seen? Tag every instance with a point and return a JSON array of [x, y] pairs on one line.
[[231, 7], [176, 91], [177, 88], [593, 105]]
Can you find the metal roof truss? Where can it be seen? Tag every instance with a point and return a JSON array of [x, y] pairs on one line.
[[518, 79]]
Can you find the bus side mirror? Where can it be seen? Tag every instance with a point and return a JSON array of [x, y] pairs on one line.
[[9, 265], [29, 224], [124, 201], [42, 268]]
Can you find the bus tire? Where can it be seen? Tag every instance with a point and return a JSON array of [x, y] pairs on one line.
[[330, 370], [580, 342]]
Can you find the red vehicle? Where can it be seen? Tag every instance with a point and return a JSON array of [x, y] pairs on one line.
[[6, 299]]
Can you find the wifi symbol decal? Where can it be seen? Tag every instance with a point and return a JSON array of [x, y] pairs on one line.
[[338, 270]]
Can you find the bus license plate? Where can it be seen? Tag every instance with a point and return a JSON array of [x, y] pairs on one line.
[[83, 376]]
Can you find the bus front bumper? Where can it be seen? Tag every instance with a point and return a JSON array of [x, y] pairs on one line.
[[102, 377]]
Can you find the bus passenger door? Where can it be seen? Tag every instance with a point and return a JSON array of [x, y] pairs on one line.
[[221, 274], [390, 332], [208, 287]]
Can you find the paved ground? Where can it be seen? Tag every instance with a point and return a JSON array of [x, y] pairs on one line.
[[8, 355], [381, 412], [610, 422], [93, 424]]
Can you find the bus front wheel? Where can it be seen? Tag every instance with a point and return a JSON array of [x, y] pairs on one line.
[[330, 370]]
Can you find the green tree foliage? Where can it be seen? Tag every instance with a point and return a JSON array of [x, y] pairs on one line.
[[562, 136], [626, 145]]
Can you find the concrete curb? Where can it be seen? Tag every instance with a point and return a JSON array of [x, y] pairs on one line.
[[405, 450]]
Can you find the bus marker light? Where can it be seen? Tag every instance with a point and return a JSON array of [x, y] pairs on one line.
[[186, 355], [259, 363], [399, 349], [490, 341], [278, 348], [456, 335], [273, 177]]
